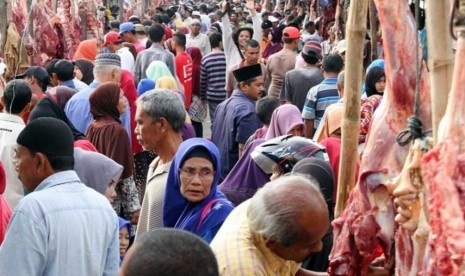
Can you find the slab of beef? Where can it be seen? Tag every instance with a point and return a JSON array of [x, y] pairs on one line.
[[443, 171], [68, 11], [368, 220], [48, 44], [19, 17]]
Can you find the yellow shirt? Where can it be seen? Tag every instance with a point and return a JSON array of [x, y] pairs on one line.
[[239, 251]]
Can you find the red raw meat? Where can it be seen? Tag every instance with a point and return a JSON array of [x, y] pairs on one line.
[[368, 220], [19, 17], [443, 171], [45, 35], [69, 14]]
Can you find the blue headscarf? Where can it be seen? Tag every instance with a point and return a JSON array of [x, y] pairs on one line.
[[178, 212], [124, 223]]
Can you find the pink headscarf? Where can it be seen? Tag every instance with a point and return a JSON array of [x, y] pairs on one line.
[[5, 210], [284, 119]]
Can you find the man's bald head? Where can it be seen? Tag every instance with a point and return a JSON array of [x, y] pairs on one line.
[[290, 211]]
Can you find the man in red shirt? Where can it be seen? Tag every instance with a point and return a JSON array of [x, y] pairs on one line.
[[183, 65]]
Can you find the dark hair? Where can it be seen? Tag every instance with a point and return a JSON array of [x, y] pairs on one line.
[[42, 84], [288, 40], [51, 66], [114, 24], [238, 32], [157, 18], [161, 250], [64, 70], [265, 107], [203, 8], [309, 59], [17, 95], [333, 63], [372, 77], [215, 40], [180, 39], [165, 18], [252, 43], [309, 23], [58, 163], [156, 33], [246, 82], [147, 22]]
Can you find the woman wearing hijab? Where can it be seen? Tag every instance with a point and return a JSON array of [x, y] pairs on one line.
[[86, 49], [375, 83], [321, 171], [276, 43], [144, 86], [5, 210], [98, 172], [52, 105], [110, 138], [245, 178], [84, 70], [125, 237], [198, 108], [156, 70], [192, 200], [286, 119]]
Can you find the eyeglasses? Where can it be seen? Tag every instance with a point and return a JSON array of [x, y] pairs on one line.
[[204, 174]]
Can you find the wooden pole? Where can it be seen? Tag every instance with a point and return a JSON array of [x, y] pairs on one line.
[[374, 31], [4, 8], [30, 10], [355, 36], [440, 58]]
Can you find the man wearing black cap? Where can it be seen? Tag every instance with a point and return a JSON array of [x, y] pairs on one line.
[[38, 80], [238, 117], [62, 227]]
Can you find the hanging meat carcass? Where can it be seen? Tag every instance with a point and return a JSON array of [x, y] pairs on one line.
[[68, 11], [443, 170], [19, 17], [368, 220], [94, 18], [47, 39]]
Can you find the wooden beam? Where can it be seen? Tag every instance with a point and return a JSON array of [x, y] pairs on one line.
[[355, 36], [440, 58], [374, 31]]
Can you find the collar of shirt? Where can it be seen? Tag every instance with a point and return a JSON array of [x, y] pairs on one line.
[[329, 81], [240, 94], [11, 118], [68, 83], [94, 84], [157, 46], [58, 179], [273, 261]]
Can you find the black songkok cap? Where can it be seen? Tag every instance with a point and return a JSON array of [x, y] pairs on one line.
[[49, 136], [248, 72]]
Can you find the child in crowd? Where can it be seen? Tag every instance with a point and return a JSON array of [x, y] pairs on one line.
[[125, 235]]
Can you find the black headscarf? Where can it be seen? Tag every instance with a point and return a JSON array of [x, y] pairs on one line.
[[87, 70], [46, 107], [371, 79]]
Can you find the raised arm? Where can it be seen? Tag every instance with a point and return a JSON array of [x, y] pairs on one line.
[[257, 22]]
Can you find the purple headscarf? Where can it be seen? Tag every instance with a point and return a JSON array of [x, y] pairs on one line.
[[178, 212], [284, 119], [275, 45], [245, 178]]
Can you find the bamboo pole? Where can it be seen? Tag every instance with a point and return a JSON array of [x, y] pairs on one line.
[[440, 58], [355, 36], [374, 31], [4, 8]]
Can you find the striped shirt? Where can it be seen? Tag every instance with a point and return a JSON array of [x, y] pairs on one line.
[[151, 213], [240, 252], [319, 98], [213, 77]]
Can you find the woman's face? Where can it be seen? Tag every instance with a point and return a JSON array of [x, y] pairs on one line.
[[123, 241], [380, 85], [122, 103], [110, 192], [297, 130], [277, 172], [196, 177], [243, 37], [77, 73]]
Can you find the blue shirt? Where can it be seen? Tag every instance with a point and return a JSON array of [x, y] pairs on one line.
[[62, 228], [236, 121], [78, 110], [318, 99]]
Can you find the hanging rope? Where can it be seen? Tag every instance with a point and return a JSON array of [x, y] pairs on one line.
[[414, 125]]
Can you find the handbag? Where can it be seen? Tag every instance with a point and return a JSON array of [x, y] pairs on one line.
[[198, 109]]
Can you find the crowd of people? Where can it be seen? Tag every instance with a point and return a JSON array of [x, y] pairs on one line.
[[106, 169]]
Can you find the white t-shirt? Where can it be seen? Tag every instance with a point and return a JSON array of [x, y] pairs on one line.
[[127, 59]]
